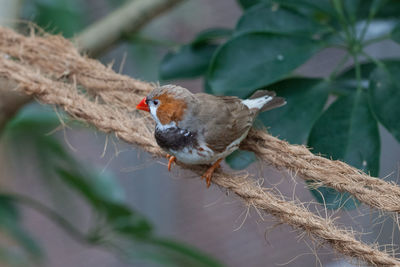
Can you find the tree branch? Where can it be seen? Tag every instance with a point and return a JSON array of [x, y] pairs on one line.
[[9, 12], [129, 18]]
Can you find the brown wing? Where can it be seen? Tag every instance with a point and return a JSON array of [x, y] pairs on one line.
[[220, 119]]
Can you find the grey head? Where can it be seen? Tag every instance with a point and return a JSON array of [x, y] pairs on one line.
[[168, 104], [169, 90]]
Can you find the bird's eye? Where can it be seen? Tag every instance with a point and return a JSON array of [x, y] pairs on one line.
[[155, 102]]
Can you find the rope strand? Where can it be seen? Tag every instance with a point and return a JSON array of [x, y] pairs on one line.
[[109, 102], [57, 58]]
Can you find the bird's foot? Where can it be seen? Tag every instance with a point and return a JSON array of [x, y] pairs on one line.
[[171, 159], [208, 174]]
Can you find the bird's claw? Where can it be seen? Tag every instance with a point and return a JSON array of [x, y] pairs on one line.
[[208, 174], [171, 159]]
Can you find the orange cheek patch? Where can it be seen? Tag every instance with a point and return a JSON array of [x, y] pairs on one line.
[[170, 109]]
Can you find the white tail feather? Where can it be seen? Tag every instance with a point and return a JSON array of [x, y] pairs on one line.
[[257, 103]]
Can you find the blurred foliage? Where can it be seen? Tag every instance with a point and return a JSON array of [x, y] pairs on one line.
[[115, 223], [20, 247], [56, 16], [117, 227], [192, 60], [240, 159], [271, 40]]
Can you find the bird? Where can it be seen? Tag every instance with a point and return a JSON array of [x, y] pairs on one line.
[[200, 128]]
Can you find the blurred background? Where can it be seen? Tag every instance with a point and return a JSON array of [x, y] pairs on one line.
[[212, 222]]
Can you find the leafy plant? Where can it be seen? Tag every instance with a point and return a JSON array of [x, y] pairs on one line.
[[117, 227], [192, 60], [272, 39], [25, 248], [61, 16]]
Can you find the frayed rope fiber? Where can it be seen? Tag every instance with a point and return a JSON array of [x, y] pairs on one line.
[[51, 69]]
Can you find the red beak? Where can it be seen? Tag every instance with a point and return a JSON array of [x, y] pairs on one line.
[[143, 106]]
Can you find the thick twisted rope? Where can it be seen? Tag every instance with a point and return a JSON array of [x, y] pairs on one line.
[[58, 58], [336, 174], [50, 69]]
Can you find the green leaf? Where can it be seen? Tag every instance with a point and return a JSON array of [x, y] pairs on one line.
[[240, 159], [130, 225], [375, 6], [105, 185], [263, 18], [389, 9], [396, 33], [347, 83], [193, 59], [347, 80], [310, 7], [245, 4], [377, 28], [207, 87], [347, 131], [9, 257], [209, 35], [322, 5], [121, 217], [64, 16], [379, 9], [100, 189], [9, 223], [32, 120], [125, 221], [384, 96], [81, 184], [28, 134], [350, 74], [188, 62], [183, 253], [305, 99], [298, 5], [351, 7], [254, 60]]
